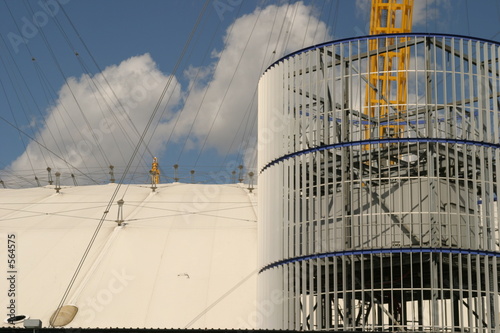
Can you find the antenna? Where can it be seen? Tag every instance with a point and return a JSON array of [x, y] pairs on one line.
[[176, 175], [58, 182], [250, 185], [49, 175], [112, 174]]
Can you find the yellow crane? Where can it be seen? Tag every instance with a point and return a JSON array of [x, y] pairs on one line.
[[386, 81]]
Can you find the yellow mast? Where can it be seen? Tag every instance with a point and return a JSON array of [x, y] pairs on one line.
[[155, 171], [387, 78]]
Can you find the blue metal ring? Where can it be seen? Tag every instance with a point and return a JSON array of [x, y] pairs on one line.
[[379, 141], [379, 251]]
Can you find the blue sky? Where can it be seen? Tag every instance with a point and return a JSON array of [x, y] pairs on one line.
[[82, 78]]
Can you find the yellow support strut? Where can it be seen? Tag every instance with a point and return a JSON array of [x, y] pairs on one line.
[[387, 77]]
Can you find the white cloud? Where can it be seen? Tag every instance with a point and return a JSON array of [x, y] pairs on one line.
[[431, 14], [251, 44], [363, 7], [88, 128]]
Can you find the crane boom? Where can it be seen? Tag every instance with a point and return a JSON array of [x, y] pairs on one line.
[[387, 82]]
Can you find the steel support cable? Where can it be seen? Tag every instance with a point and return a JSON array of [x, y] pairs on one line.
[[307, 27], [467, 17], [319, 21], [87, 123], [206, 90], [194, 84], [156, 126], [120, 104], [44, 84], [186, 98], [245, 120], [290, 27], [46, 148], [249, 141], [245, 140], [17, 125], [21, 180], [96, 141], [254, 122], [95, 90], [42, 116], [218, 300], [44, 80], [17, 67], [272, 57], [38, 109], [254, 96], [129, 165], [42, 213], [43, 141], [91, 78], [227, 90], [17, 90], [330, 15]]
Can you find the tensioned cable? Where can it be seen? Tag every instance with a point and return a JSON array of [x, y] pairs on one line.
[[45, 82], [307, 27], [335, 19], [21, 180], [193, 84], [497, 3], [289, 30], [42, 117], [227, 89], [120, 104], [134, 154], [17, 125], [250, 129], [43, 144], [45, 85], [180, 112], [11, 57], [82, 113], [45, 147], [250, 106], [317, 24], [91, 79], [208, 87], [467, 17], [95, 90], [227, 293]]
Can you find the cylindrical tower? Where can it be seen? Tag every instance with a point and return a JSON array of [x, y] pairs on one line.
[[377, 215]]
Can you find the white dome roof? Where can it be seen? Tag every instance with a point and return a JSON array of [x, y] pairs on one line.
[[184, 257]]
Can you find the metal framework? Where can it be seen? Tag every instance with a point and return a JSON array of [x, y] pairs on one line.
[[381, 233]]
